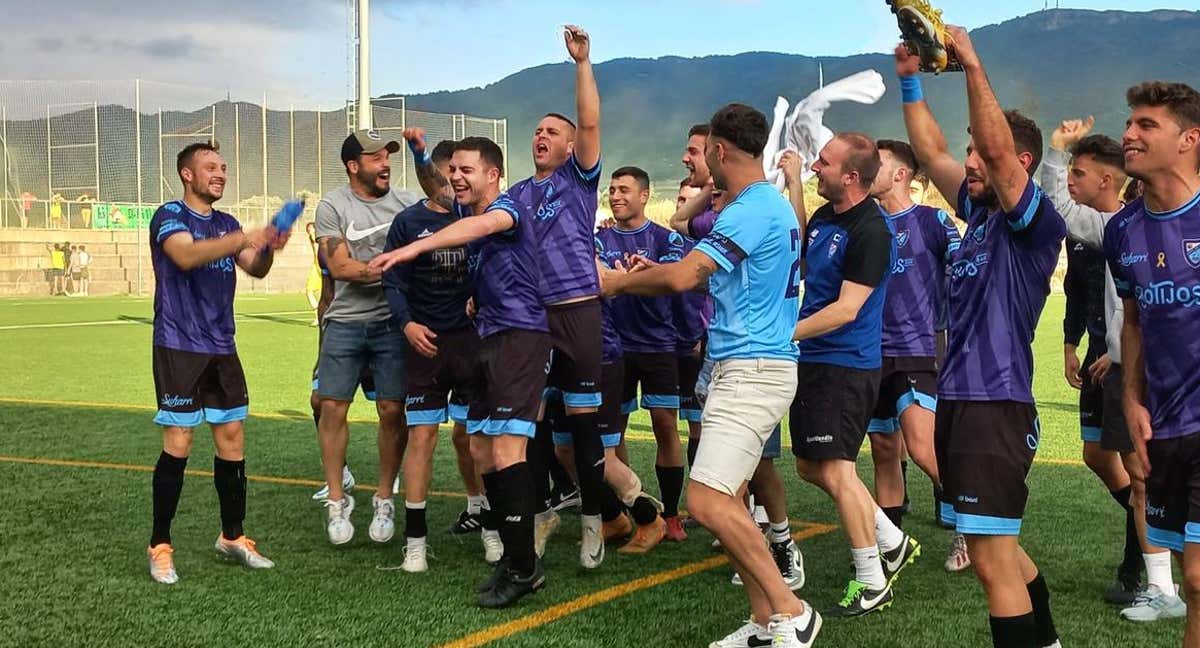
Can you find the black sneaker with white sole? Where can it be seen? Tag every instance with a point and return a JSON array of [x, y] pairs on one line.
[[860, 599], [467, 523], [561, 501], [512, 586], [897, 559]]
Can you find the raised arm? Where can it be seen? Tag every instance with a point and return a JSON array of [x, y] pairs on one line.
[[188, 253], [1084, 224], [457, 234], [587, 98], [433, 183], [682, 218], [924, 133], [793, 166], [989, 128]]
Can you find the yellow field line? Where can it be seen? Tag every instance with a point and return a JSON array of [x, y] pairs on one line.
[[266, 479], [556, 612]]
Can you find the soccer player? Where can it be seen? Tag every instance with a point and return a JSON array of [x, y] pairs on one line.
[[907, 398], [197, 374], [849, 253], [987, 430], [1088, 195], [513, 358], [359, 330], [1152, 250], [752, 259], [648, 331], [562, 197], [428, 299]]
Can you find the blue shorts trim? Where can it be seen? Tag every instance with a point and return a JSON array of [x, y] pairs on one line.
[[563, 439], [458, 413], [1172, 540], [883, 426], [629, 407], [218, 416], [947, 514], [986, 525], [577, 399], [914, 397], [610, 440], [369, 395], [660, 401], [316, 384], [179, 419], [1089, 433], [516, 427], [426, 417], [691, 415], [551, 394], [475, 426]]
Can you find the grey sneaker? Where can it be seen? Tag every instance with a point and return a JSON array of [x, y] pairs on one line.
[[1154, 604]]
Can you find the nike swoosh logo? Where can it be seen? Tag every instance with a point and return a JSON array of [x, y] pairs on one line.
[[756, 641], [805, 636], [353, 234], [869, 603]]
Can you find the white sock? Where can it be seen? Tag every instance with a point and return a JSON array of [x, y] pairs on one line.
[[484, 504], [760, 515], [475, 504], [590, 522], [750, 505], [780, 532], [1158, 571], [867, 568], [415, 542], [888, 535]]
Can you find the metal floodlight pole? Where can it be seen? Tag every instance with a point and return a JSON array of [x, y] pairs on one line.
[[49, 168], [237, 152], [4, 135], [404, 149], [363, 44], [292, 147], [137, 137], [319, 190], [96, 133], [162, 175], [264, 157]]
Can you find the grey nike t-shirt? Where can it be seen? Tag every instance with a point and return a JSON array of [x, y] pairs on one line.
[[364, 225]]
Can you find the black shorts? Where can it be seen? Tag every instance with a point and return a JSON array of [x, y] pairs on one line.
[[576, 339], [431, 380], [509, 376], [366, 378], [192, 388], [609, 418], [1114, 433], [1091, 398], [831, 410], [658, 374], [689, 372], [1173, 492], [903, 383], [984, 452]]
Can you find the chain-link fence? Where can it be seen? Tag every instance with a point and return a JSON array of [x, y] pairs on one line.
[[100, 155]]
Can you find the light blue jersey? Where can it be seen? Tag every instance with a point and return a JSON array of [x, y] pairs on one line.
[[756, 243]]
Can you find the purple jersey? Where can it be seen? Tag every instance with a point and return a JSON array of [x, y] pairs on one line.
[[610, 340], [193, 309], [1155, 261], [504, 269], [702, 225], [693, 310], [646, 324], [563, 209], [925, 239], [999, 279]]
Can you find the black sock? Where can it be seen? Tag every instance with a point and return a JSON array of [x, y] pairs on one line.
[[1132, 562], [1039, 596], [693, 446], [516, 525], [589, 462], [489, 516], [230, 479], [895, 514], [611, 506], [414, 522], [670, 485], [1014, 632], [166, 485], [644, 510], [539, 454]]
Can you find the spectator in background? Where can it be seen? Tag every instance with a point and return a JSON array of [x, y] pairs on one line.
[[57, 265], [83, 261], [85, 211], [73, 273], [56, 212], [26, 204]]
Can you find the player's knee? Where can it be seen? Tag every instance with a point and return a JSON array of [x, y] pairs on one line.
[[230, 441], [1191, 583], [334, 410], [177, 441], [885, 448], [701, 503], [390, 412], [810, 471], [1095, 458]]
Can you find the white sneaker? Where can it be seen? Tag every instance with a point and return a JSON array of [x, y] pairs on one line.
[[790, 563], [795, 632], [339, 527], [415, 556], [1153, 604], [544, 525], [958, 559], [396, 485], [383, 524], [162, 567], [493, 548], [747, 636], [591, 548], [347, 485], [242, 550]]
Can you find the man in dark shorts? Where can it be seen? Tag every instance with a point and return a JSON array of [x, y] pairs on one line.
[[1152, 250], [848, 255], [514, 353], [1088, 195], [197, 374], [987, 427]]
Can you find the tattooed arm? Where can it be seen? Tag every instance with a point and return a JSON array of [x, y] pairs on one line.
[[435, 185], [342, 266], [693, 271]]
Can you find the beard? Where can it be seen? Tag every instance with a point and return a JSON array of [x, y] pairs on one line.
[[371, 182]]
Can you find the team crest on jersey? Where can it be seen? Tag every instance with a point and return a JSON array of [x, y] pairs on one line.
[[902, 238], [1191, 252], [172, 207], [979, 232], [675, 239], [833, 248]]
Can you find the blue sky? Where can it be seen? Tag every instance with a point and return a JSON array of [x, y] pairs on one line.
[[298, 51]]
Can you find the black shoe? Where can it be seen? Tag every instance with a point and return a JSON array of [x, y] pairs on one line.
[[511, 586], [860, 600], [897, 559], [560, 501], [467, 523], [1125, 589], [497, 571]]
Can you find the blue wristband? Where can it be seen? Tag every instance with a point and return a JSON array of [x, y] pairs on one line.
[[910, 89], [422, 158]]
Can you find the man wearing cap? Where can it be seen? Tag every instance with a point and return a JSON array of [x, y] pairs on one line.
[[352, 225]]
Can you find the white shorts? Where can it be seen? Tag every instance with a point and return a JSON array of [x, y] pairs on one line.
[[746, 399]]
